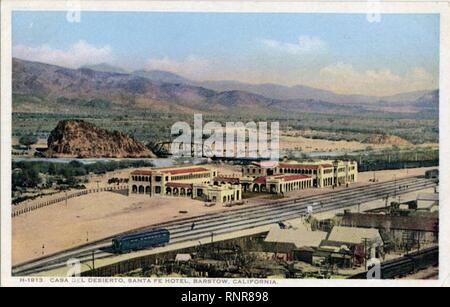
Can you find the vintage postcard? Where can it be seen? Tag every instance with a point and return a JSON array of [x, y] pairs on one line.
[[225, 143]]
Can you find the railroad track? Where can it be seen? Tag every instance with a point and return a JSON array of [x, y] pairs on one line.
[[239, 219]]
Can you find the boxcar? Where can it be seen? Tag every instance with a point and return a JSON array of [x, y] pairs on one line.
[[139, 241]]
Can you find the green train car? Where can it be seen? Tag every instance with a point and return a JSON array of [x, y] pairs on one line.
[[139, 241]]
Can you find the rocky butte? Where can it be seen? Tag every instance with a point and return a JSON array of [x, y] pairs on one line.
[[77, 138]]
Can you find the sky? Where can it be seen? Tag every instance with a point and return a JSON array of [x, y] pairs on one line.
[[344, 53]]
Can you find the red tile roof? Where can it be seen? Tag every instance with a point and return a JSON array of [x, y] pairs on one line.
[[260, 180], [263, 179], [173, 171], [185, 170], [296, 177], [305, 166], [266, 163]]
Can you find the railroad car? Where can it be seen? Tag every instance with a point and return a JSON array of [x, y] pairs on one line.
[[432, 174], [407, 265], [142, 240]]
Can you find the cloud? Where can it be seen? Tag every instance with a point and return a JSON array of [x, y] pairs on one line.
[[305, 44], [191, 66], [344, 78], [80, 53]]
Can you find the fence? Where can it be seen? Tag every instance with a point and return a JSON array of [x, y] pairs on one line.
[[25, 208]]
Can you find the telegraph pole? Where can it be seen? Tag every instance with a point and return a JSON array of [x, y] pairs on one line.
[[395, 176], [93, 261], [365, 240], [418, 240]]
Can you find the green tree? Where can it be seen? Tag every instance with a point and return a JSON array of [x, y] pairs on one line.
[[26, 178], [28, 140], [76, 164], [72, 181], [52, 169]]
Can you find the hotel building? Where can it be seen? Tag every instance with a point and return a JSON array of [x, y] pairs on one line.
[[195, 182], [322, 173]]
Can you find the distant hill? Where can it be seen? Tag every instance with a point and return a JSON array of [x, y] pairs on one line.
[[429, 100], [417, 99], [383, 139], [104, 67], [40, 87], [77, 138], [162, 76], [404, 102], [281, 92], [273, 91]]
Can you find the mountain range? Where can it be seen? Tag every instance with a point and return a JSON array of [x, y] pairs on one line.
[[50, 88]]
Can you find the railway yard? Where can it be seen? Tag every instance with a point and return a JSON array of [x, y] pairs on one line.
[[83, 228]]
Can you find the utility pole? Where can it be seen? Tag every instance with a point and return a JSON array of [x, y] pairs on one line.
[[92, 266], [365, 240], [93, 261], [395, 176], [418, 240]]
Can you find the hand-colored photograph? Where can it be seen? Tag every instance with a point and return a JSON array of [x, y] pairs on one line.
[[232, 145]]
